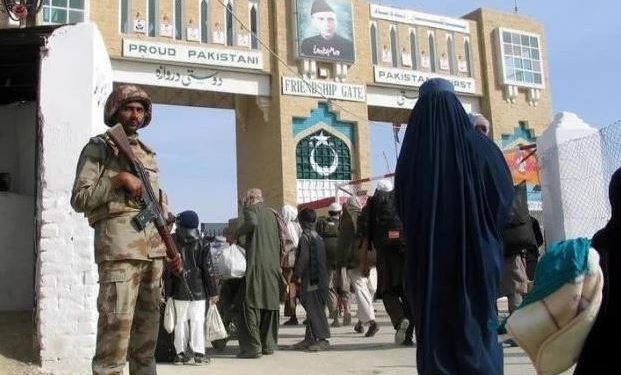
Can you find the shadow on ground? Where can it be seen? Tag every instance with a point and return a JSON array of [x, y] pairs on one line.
[[16, 336]]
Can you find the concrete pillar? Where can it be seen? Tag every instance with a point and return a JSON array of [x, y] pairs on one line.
[[259, 148], [574, 186], [76, 78]]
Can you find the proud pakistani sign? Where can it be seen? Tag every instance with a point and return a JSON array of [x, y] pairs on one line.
[[233, 58], [323, 156]]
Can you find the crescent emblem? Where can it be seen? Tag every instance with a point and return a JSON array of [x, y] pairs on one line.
[[324, 171]]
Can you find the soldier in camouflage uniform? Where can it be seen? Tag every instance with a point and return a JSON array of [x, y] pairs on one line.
[[130, 262]]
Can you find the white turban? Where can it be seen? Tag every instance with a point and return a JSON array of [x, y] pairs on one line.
[[335, 207], [479, 121], [384, 185], [289, 213]]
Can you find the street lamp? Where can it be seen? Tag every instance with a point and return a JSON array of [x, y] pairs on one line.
[[20, 9]]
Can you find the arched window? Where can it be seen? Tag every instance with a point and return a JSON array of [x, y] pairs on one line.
[[374, 50], [179, 16], [323, 156], [468, 54], [204, 21], [450, 47], [229, 24], [414, 49], [153, 10], [254, 26], [432, 52], [126, 8], [394, 46]]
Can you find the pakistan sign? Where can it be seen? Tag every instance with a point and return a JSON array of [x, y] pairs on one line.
[[414, 78], [180, 53], [323, 89]]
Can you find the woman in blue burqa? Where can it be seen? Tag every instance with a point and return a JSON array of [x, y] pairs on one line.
[[454, 191]]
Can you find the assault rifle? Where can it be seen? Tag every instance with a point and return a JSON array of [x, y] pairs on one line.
[[150, 212]]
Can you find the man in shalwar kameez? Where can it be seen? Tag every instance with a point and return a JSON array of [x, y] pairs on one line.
[[312, 275], [454, 192], [258, 333]]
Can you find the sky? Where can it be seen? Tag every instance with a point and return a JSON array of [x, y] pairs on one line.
[[196, 146]]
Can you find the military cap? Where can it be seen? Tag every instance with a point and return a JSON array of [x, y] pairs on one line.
[[321, 6], [122, 95]]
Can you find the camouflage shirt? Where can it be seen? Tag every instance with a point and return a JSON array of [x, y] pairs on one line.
[[109, 210]]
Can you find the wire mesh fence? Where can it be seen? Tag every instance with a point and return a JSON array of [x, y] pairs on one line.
[[582, 168]]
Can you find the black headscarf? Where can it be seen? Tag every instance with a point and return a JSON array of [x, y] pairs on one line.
[[610, 235], [453, 191], [307, 218]]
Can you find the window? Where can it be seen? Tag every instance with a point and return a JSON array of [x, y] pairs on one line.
[[413, 49], [254, 26], [323, 156], [126, 8], [229, 24], [521, 58], [204, 25], [179, 16], [394, 46], [432, 52], [450, 47], [468, 53], [153, 10], [374, 55], [63, 11]]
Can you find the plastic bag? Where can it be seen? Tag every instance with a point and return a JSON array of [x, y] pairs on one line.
[[169, 315], [236, 261], [229, 261], [214, 327]]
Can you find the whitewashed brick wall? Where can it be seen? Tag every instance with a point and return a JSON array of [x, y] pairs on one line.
[[76, 77]]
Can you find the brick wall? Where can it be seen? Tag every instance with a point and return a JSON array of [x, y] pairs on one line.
[[504, 116], [66, 280], [106, 15]]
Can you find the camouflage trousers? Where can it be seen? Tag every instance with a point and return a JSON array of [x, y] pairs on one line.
[[339, 284], [129, 316]]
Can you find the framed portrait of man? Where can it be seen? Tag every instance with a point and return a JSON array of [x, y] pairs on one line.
[[325, 30]]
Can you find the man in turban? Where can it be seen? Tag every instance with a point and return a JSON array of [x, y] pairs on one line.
[[260, 308]]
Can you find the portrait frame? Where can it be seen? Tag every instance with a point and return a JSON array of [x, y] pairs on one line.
[[343, 47]]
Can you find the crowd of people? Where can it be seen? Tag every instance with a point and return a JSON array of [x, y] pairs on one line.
[[293, 257], [433, 249]]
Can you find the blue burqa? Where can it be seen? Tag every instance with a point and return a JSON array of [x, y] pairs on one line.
[[454, 193]]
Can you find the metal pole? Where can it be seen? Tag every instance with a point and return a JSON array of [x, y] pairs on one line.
[[386, 160], [396, 151]]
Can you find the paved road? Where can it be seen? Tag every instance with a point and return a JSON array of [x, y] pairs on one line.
[[351, 353]]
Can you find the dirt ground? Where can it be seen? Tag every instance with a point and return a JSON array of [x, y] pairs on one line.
[[16, 344]]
